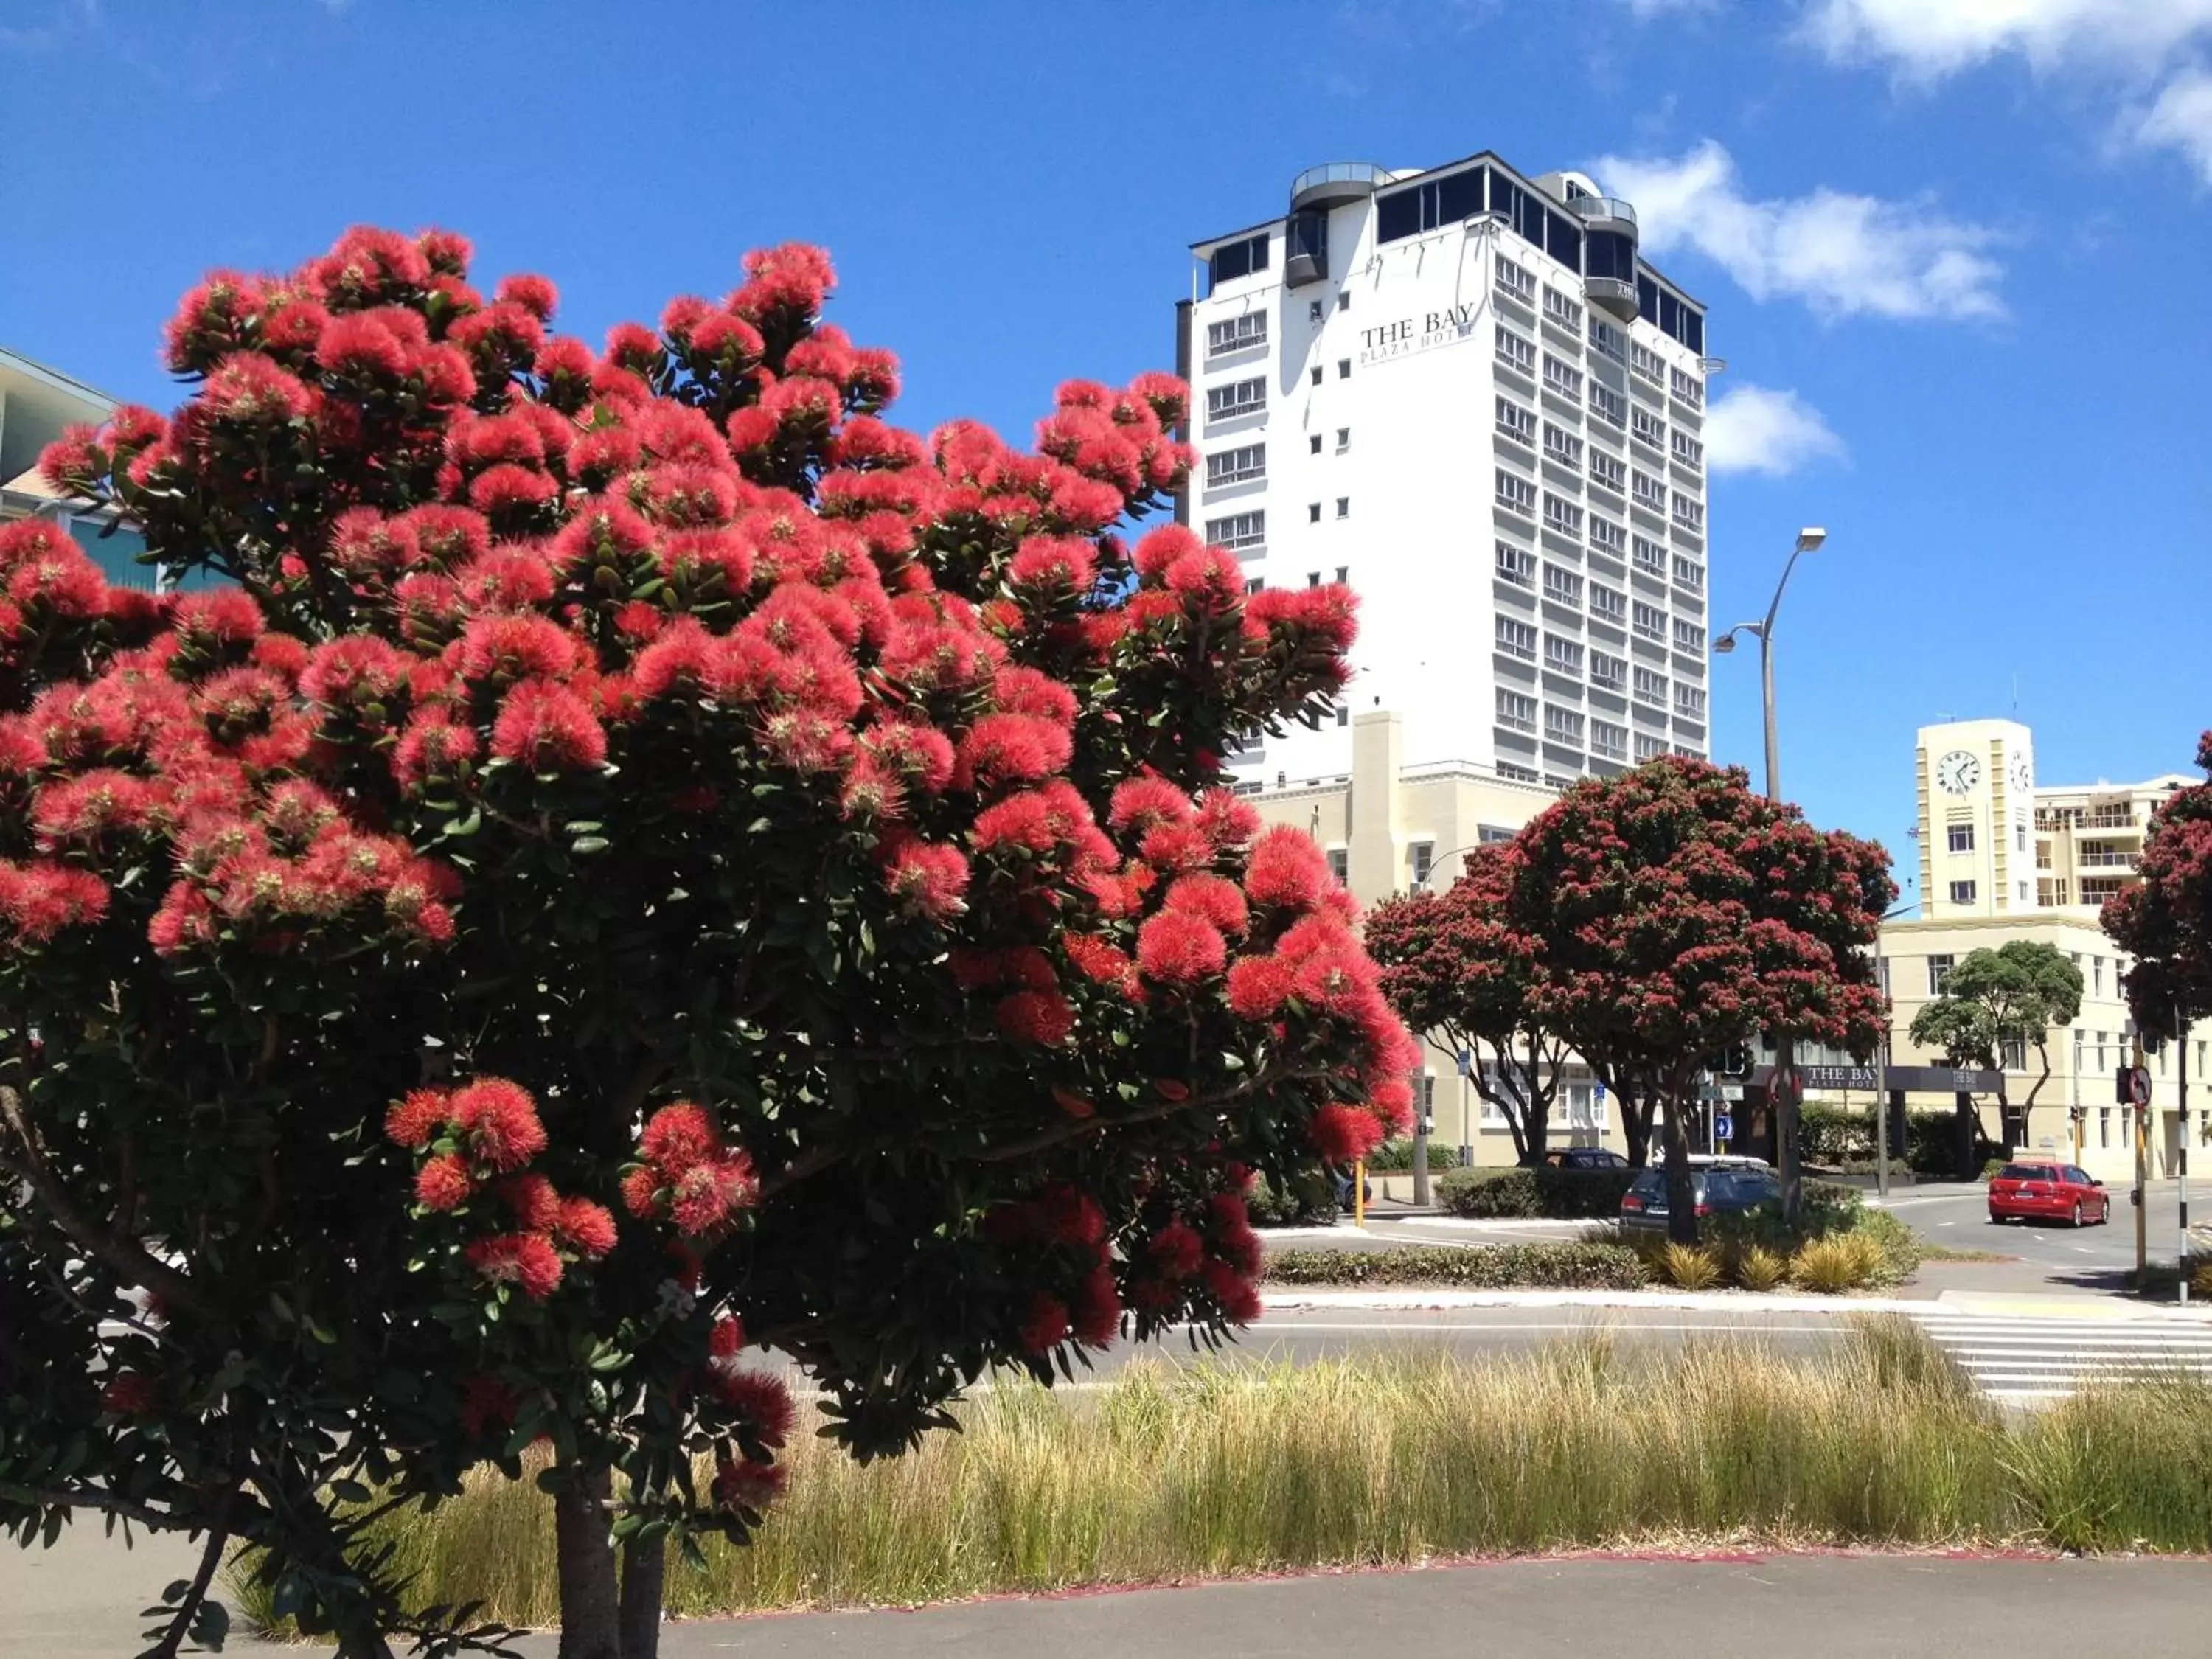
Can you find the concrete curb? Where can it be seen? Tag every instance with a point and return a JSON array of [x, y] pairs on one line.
[[1987, 1305]]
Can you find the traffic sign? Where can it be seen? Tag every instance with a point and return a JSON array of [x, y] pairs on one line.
[[1724, 1127], [2139, 1085], [1731, 1092]]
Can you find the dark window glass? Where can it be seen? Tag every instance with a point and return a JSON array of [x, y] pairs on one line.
[[1564, 241], [1670, 314], [1506, 198], [1459, 197], [1308, 233], [1529, 218], [1609, 254], [1397, 216], [1693, 330], [1259, 252], [1647, 298]]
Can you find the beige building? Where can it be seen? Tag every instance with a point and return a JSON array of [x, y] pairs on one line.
[[2003, 857]]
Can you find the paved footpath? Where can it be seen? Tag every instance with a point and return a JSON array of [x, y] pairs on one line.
[[1751, 1607]]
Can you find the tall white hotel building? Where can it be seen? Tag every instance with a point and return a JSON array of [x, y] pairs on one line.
[[1462, 392]]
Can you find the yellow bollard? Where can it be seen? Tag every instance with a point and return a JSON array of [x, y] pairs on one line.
[[1360, 1192]]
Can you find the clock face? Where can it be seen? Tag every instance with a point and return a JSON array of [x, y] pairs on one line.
[[2023, 774], [1958, 771]]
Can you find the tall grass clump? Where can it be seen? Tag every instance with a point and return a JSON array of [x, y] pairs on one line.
[[1233, 1468]]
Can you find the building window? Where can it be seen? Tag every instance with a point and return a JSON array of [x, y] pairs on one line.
[[1517, 565], [1608, 739], [1563, 655], [1608, 404], [1225, 403], [1420, 860], [1688, 636], [1650, 557], [1650, 687], [1516, 422], [1513, 774], [1563, 725], [1962, 892], [1515, 281], [1960, 837], [2097, 976], [1514, 352], [1606, 337], [1237, 333], [1515, 494], [1648, 428], [1562, 446], [1562, 515], [1238, 465], [1689, 514], [1255, 585], [1313, 578], [1343, 439], [1558, 308], [1649, 748], [1239, 532], [1343, 300], [1686, 449], [1316, 374], [1690, 699], [1650, 621], [1343, 575], [1562, 585], [1313, 512], [2095, 889], [1344, 717], [1340, 866], [2020, 838], [1563, 377], [1344, 369], [1687, 387], [1648, 492], [1313, 310], [1516, 710], [1238, 259], [1939, 970], [1610, 672], [1689, 573], [1609, 470], [1607, 536], [1344, 507], [1313, 444], [1645, 361], [1516, 638]]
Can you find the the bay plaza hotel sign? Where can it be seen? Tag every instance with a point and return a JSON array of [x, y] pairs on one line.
[[1424, 331]]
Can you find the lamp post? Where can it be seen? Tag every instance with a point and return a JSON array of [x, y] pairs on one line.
[[1784, 1096]]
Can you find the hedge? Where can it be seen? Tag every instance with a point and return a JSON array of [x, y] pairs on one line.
[[1530, 1267], [1543, 1192], [1396, 1157]]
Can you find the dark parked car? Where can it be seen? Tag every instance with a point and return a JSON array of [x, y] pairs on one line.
[[1720, 1185], [1344, 1191], [2048, 1192], [1584, 1157]]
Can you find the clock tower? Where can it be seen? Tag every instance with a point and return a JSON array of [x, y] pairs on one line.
[[1977, 787]]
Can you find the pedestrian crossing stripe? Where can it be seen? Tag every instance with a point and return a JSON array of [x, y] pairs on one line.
[[2024, 1360]]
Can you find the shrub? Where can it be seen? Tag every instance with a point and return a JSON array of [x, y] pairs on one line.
[[1396, 1157], [1931, 1144], [1839, 1262], [1307, 1199], [1833, 1137], [2201, 1285], [1991, 1165], [1687, 1267], [1543, 1266], [1758, 1268], [1542, 1192]]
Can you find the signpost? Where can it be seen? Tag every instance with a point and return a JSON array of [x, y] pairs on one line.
[[1723, 1127]]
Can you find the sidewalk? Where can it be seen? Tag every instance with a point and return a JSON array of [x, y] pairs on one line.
[[1999, 1304]]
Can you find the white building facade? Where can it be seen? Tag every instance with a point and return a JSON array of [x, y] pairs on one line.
[[1462, 392]]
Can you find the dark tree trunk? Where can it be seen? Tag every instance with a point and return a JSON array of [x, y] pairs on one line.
[[1681, 1191], [1969, 1122], [591, 1626], [644, 1573], [1783, 1093], [1636, 1118]]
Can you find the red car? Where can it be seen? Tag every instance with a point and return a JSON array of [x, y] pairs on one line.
[[2048, 1192]]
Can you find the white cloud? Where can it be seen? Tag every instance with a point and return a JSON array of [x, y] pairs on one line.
[[2137, 47], [1752, 428], [1843, 254], [2182, 119]]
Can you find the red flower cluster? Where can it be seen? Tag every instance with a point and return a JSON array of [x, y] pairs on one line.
[[686, 1175]]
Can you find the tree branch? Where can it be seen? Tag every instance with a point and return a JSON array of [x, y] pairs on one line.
[[127, 1258], [188, 1609], [152, 1519]]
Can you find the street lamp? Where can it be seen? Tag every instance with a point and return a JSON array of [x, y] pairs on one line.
[[1784, 1084], [1808, 540]]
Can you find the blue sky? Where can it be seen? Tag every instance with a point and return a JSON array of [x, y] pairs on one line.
[[1952, 251]]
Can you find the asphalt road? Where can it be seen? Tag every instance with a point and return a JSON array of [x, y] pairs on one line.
[[2089, 1258]]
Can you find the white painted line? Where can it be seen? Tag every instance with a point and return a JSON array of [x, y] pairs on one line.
[[1580, 1326]]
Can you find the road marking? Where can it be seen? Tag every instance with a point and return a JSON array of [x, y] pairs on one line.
[[1584, 1327], [2025, 1360]]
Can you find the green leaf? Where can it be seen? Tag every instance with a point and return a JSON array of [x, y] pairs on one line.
[[585, 846]]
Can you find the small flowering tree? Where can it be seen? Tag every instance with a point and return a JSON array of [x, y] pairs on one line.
[[1456, 964], [633, 861], [2165, 921], [1679, 915]]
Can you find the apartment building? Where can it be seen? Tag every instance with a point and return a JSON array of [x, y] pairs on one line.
[[1459, 391], [36, 403]]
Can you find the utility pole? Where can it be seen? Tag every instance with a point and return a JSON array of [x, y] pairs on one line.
[[2181, 1155], [2138, 1110]]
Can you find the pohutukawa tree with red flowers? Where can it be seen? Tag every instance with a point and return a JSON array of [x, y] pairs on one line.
[[623, 860], [2165, 921], [1678, 914], [1457, 964]]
